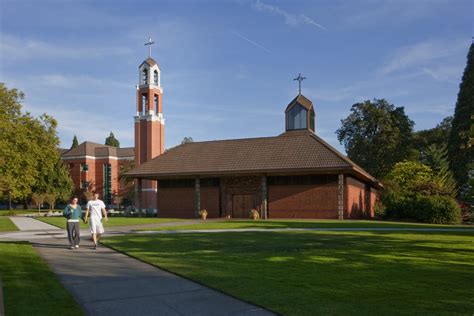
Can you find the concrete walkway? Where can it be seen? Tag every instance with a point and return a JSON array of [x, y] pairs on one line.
[[28, 223], [105, 282]]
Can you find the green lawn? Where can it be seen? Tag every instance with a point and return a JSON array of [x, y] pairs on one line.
[[17, 212], [317, 272], [6, 225], [29, 286], [268, 224], [113, 221]]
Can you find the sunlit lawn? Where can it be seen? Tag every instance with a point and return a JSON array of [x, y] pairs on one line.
[[6, 224], [60, 221], [29, 286], [268, 224], [321, 273]]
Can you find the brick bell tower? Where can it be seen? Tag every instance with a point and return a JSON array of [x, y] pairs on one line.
[[149, 122]]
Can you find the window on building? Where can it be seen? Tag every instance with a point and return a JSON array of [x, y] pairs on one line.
[[297, 117], [311, 120], [85, 185], [155, 77], [107, 170], [145, 76], [71, 165], [156, 103], [143, 105], [84, 167]]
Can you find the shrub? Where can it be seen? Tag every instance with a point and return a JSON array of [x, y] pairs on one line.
[[254, 214], [438, 209]]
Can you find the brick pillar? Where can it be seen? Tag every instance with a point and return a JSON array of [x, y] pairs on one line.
[[264, 207], [138, 196], [340, 197], [197, 196]]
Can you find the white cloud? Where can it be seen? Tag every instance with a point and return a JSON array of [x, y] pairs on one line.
[[290, 18], [17, 48], [422, 53]]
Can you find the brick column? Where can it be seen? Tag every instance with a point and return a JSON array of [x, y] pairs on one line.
[[197, 196], [138, 196], [264, 207], [340, 197]]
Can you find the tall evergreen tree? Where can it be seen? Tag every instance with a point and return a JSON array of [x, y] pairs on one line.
[[460, 148], [112, 141], [75, 142]]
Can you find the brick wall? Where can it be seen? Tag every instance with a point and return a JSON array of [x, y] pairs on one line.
[[210, 201], [303, 201], [360, 199], [175, 202]]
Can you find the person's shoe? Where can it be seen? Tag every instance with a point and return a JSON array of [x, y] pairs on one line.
[[71, 247], [77, 246], [95, 247]]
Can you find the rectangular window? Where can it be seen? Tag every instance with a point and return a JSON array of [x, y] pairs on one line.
[[143, 105], [156, 103], [84, 167], [107, 183], [302, 180], [85, 185]]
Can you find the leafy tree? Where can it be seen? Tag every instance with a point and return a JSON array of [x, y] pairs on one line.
[[50, 198], [461, 140], [438, 136], [37, 169], [38, 200], [376, 135], [75, 142], [187, 140], [112, 141], [409, 174]]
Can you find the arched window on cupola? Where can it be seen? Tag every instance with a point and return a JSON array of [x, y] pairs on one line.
[[155, 77], [145, 76]]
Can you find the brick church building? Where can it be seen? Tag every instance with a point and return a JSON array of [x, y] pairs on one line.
[[293, 175]]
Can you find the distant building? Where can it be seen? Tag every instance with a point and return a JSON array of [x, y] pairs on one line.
[[96, 167]]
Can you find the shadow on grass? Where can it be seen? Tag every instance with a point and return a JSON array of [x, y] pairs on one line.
[[322, 272]]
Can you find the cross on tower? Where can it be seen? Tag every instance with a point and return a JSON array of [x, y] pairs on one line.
[[149, 43], [299, 79]]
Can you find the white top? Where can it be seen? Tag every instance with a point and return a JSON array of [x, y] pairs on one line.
[[95, 208]]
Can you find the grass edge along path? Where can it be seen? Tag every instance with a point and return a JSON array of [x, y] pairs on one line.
[[270, 224], [29, 285], [305, 273], [60, 221], [6, 225]]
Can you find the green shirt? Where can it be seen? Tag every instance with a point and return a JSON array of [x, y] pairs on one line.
[[73, 213]]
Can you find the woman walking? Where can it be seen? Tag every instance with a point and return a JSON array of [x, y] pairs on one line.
[[73, 213]]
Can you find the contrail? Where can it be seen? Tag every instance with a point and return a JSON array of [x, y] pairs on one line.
[[251, 42]]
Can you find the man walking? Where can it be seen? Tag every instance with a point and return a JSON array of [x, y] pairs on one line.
[[96, 208]]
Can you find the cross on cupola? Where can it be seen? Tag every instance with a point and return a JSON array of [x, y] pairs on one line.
[[149, 43], [300, 78]]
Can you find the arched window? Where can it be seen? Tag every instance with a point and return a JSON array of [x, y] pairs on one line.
[[145, 76], [297, 118], [155, 77]]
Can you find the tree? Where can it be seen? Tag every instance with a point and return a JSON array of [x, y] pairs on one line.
[[112, 141], [376, 135], [461, 140], [38, 200], [50, 198], [37, 169], [438, 136], [187, 140], [75, 142]]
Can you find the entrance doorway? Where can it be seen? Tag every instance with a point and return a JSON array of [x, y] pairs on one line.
[[241, 204]]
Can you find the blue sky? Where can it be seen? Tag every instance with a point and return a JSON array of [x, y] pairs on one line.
[[227, 66]]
